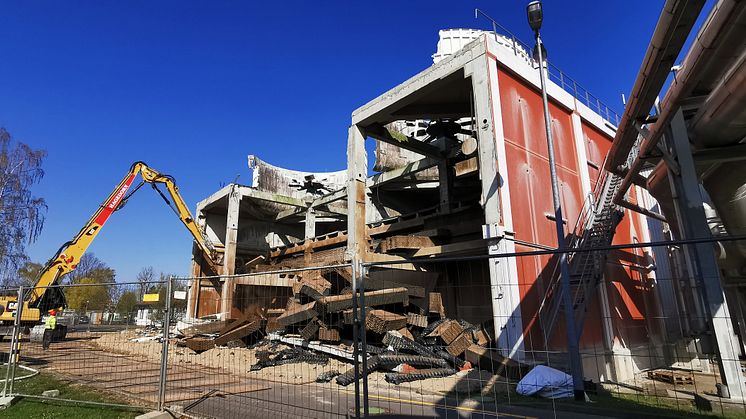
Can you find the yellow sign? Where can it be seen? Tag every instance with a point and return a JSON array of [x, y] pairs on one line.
[[150, 298]]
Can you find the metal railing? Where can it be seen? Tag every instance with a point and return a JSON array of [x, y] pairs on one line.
[[554, 74]]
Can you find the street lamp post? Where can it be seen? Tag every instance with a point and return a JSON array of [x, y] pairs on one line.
[[535, 19]]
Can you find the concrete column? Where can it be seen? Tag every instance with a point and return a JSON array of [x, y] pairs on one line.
[[693, 224], [446, 185], [194, 288], [196, 271], [495, 199], [356, 176], [310, 223], [736, 302], [229, 256]]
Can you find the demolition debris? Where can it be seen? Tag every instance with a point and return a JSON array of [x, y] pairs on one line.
[[409, 336]]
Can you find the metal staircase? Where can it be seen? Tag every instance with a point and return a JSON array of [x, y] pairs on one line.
[[594, 228]]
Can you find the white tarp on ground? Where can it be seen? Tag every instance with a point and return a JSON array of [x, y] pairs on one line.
[[546, 382]]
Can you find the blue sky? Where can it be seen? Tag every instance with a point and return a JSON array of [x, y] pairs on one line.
[[193, 87]]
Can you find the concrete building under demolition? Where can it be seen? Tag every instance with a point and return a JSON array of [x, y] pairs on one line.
[[460, 171]]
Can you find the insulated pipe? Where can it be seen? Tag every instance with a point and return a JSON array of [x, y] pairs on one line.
[[720, 119], [699, 57], [726, 186], [674, 24]]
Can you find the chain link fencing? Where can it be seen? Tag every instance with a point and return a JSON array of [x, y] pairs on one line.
[[421, 337], [83, 356]]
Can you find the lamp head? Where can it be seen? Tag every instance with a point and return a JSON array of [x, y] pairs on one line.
[[535, 15]]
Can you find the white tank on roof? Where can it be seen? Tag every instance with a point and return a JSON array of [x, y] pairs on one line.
[[452, 40]]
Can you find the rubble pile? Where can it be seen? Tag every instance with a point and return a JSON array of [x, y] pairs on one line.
[[409, 336]]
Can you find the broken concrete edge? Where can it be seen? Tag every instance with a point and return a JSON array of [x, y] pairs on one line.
[[156, 414], [7, 401], [50, 393]]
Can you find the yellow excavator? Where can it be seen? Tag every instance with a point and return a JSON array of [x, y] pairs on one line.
[[44, 296]]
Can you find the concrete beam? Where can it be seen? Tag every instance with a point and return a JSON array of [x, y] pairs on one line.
[[270, 197], [326, 211], [381, 133], [409, 91], [408, 170], [214, 197], [329, 198]]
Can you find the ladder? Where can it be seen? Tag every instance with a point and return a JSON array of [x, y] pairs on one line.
[[594, 229]]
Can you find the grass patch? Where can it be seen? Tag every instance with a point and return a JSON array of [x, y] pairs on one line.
[[53, 409]]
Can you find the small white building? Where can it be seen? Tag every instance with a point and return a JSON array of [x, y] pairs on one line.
[[145, 315]]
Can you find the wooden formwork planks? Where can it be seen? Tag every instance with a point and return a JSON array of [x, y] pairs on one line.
[[298, 313], [381, 321], [339, 303]]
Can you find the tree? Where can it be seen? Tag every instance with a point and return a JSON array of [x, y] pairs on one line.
[[91, 270], [21, 213], [27, 274], [92, 267], [127, 302], [89, 297], [145, 279]]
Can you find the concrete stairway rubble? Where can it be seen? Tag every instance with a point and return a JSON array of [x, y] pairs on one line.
[[594, 229]]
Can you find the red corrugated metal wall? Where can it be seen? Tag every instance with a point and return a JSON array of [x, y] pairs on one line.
[[531, 203]]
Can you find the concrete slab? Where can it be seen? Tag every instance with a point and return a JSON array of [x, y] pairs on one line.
[[6, 402], [155, 415]]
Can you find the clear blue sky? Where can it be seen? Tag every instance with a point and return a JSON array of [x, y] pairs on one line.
[[193, 87]]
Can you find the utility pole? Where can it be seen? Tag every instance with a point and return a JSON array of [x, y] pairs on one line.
[[535, 19]]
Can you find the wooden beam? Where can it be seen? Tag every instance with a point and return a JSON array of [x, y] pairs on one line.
[[467, 166], [381, 321], [339, 303], [298, 314], [266, 280], [381, 133], [312, 244]]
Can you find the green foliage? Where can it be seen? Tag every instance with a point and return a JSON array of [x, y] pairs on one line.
[[127, 302], [88, 297], [21, 213]]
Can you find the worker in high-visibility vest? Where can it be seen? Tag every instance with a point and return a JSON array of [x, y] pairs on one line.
[[49, 325]]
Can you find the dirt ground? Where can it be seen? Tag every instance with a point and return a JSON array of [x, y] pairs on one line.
[[238, 361]]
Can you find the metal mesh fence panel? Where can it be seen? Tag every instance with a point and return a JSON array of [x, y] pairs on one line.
[[72, 344], [263, 344], [440, 338]]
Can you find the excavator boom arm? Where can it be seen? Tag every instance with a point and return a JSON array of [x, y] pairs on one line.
[[68, 256]]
